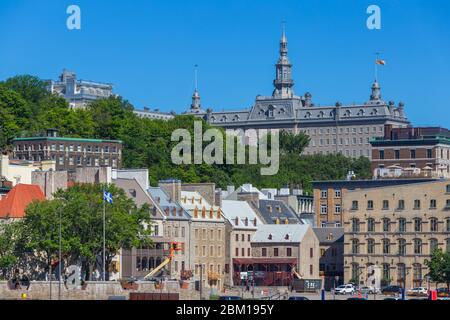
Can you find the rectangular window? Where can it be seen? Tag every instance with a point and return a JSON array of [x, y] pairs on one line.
[[288, 252], [337, 193], [323, 194], [401, 204], [416, 204], [413, 153], [337, 209], [397, 154], [237, 252], [429, 153], [311, 252], [370, 204], [433, 204], [385, 204], [264, 252], [354, 205], [323, 209], [275, 252], [381, 154]]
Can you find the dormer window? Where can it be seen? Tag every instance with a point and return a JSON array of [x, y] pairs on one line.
[[174, 211], [330, 236], [286, 237], [270, 236], [246, 221], [236, 221], [254, 222]]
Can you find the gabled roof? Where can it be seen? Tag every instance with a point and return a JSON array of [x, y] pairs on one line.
[[280, 233], [13, 205], [232, 209]]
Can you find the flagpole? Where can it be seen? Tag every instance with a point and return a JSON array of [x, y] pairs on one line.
[[104, 241]]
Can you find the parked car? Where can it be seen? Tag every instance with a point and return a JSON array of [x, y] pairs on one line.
[[230, 298], [418, 291], [391, 290], [368, 289], [442, 292], [297, 298], [345, 289]]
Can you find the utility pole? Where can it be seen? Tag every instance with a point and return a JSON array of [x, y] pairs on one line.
[[104, 240], [60, 260]]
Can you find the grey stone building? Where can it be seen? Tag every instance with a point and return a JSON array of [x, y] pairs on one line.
[[78, 92], [338, 128]]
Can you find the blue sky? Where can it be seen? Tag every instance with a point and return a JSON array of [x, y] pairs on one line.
[[147, 49]]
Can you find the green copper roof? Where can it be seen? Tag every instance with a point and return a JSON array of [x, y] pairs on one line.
[[65, 139]]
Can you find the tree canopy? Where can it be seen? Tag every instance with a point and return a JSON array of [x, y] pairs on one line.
[[27, 108]]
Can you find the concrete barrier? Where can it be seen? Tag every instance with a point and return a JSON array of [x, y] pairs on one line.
[[92, 290]]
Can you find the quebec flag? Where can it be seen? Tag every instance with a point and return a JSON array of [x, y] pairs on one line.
[[107, 196]]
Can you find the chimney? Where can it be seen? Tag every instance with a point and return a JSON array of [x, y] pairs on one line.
[[250, 197], [218, 197], [172, 187]]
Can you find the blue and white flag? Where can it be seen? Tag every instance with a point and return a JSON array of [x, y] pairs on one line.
[[107, 196]]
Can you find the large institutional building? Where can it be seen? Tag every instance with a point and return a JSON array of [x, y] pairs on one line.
[[345, 129], [78, 92], [395, 229]]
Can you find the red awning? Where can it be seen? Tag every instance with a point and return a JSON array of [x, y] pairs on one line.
[[264, 260]]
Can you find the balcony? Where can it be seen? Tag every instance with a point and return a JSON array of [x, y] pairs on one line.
[[213, 276]]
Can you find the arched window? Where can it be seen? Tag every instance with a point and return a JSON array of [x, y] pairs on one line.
[[151, 262], [360, 112], [308, 115], [386, 246], [417, 274], [386, 225], [401, 247], [417, 246], [386, 273], [355, 246], [370, 225], [401, 274], [374, 112], [417, 224], [355, 272], [347, 113], [138, 263], [433, 225], [320, 114], [433, 245], [370, 246], [144, 264]]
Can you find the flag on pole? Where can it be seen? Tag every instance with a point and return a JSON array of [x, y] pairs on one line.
[[107, 196], [380, 62]]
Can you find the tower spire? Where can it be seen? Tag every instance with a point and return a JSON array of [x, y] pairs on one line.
[[283, 82], [195, 105]]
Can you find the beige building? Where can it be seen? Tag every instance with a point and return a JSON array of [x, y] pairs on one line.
[[241, 224], [20, 171], [395, 228], [279, 253], [207, 236]]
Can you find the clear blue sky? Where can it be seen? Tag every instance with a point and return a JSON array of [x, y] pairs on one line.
[[147, 49]]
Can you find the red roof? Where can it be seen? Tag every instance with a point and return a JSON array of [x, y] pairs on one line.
[[15, 202]]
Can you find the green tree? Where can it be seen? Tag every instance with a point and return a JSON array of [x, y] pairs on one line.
[[81, 209], [8, 258], [439, 267]]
